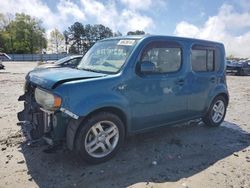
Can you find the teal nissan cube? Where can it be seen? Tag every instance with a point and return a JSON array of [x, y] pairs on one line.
[[125, 85]]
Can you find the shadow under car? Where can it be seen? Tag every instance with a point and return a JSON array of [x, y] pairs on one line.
[[163, 155]]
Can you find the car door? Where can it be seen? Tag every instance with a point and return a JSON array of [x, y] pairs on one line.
[[203, 77], [159, 97]]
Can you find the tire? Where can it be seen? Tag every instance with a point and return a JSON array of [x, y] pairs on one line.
[[210, 118], [242, 72], [100, 137]]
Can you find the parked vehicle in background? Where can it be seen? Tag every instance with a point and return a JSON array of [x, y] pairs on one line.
[[3, 56], [1, 65], [69, 61], [126, 85], [241, 68]]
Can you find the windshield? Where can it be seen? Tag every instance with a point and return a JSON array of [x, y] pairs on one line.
[[107, 56]]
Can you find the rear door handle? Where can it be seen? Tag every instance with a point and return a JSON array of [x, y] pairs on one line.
[[180, 82], [213, 79]]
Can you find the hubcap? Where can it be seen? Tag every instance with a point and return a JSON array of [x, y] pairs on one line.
[[218, 111], [101, 139]]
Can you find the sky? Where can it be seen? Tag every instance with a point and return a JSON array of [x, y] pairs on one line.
[[226, 21]]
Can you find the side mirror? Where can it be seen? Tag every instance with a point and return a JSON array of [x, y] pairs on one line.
[[147, 67]]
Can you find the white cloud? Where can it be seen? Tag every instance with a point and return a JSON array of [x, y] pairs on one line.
[[137, 4], [67, 12], [32, 7], [40, 10], [144, 5], [220, 28], [186, 29], [105, 14], [67, 8], [131, 20], [109, 15], [232, 18]]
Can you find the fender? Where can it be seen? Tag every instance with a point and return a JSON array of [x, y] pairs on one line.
[[92, 104], [219, 89]]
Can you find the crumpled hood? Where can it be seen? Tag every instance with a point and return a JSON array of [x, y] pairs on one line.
[[50, 78]]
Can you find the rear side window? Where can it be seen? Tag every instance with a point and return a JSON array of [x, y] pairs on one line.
[[199, 59], [203, 60], [210, 60], [167, 56]]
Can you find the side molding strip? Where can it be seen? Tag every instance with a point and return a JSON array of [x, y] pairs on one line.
[[71, 114]]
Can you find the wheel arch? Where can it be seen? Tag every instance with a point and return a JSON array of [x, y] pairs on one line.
[[223, 94], [207, 116], [74, 125]]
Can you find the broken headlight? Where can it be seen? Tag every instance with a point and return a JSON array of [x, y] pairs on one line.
[[47, 100]]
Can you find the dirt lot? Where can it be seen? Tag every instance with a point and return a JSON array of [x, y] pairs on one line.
[[181, 156]]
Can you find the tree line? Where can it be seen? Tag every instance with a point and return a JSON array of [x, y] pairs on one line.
[[21, 34], [24, 34]]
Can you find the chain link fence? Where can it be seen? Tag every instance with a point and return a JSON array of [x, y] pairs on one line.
[[34, 57]]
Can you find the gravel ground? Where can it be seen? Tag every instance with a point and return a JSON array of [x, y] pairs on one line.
[[181, 156]]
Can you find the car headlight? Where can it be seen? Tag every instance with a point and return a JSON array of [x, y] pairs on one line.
[[47, 100]]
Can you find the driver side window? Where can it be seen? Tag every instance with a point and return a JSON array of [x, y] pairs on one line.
[[166, 56]]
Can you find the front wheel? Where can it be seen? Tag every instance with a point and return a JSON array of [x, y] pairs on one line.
[[100, 137], [216, 113]]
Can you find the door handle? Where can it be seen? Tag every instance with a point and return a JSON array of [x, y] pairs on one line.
[[213, 79], [180, 82]]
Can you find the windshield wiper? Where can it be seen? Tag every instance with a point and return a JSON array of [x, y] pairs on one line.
[[91, 70]]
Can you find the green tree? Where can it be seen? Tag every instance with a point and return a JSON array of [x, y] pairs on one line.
[[76, 32], [66, 40], [137, 32], [56, 39], [101, 32], [23, 34], [81, 37]]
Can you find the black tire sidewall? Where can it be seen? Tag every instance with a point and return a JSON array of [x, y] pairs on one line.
[[208, 118], [84, 128]]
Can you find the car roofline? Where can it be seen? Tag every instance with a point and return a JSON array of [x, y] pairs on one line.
[[138, 37]]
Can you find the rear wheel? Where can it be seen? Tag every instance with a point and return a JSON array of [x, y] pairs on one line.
[[216, 113], [100, 137]]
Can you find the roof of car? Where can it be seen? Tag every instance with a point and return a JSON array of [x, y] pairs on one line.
[[4, 55], [163, 37]]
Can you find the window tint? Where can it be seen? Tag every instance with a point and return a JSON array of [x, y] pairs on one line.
[[199, 60], [166, 57], [202, 60], [210, 60], [218, 59]]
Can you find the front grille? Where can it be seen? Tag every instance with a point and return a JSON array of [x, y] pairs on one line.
[[47, 118]]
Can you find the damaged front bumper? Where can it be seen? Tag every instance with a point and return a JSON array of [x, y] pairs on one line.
[[38, 123]]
